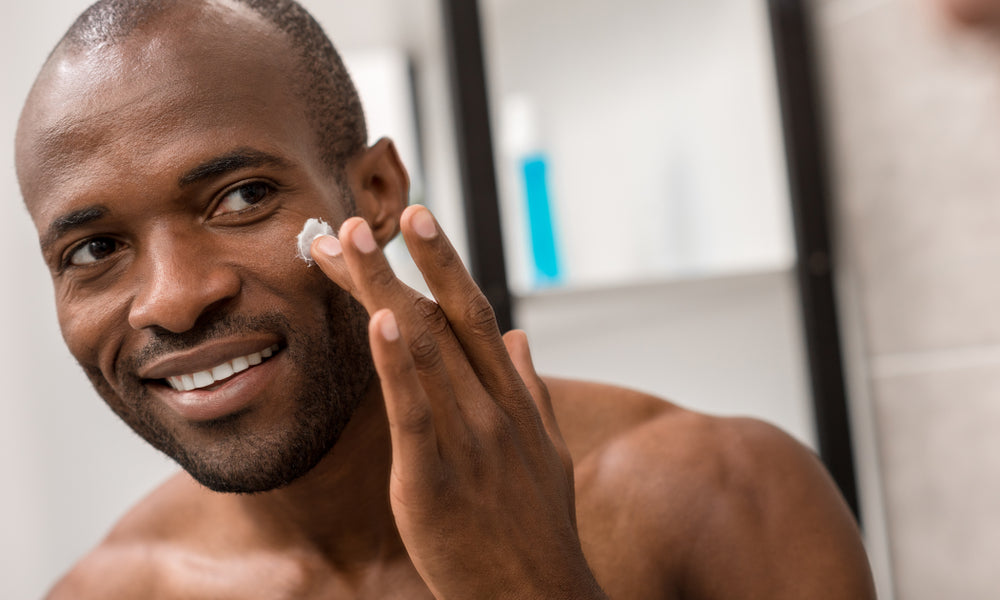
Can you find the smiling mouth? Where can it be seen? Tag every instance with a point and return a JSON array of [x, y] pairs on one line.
[[204, 379]]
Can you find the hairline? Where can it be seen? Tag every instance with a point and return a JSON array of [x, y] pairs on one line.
[[305, 78]]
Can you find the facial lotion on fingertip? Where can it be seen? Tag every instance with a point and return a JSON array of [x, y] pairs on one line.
[[310, 231]]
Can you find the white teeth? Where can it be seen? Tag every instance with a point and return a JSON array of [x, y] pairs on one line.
[[222, 371], [201, 379], [241, 364]]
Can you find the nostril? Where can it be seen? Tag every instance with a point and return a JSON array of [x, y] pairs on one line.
[[179, 293]]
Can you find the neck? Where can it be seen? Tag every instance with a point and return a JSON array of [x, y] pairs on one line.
[[340, 508]]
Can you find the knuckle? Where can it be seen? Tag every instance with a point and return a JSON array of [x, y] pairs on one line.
[[424, 350], [382, 277], [432, 316], [425, 307], [512, 387], [479, 315]]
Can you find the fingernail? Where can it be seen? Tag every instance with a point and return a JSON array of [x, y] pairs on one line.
[[390, 331], [328, 245], [423, 224], [362, 238]]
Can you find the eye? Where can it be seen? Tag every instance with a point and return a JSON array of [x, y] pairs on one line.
[[242, 197], [92, 250]]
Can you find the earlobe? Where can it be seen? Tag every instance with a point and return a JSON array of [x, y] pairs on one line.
[[381, 188]]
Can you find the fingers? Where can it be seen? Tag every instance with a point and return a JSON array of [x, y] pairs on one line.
[[516, 343], [411, 418], [517, 346], [455, 343], [356, 263], [326, 251], [468, 311]]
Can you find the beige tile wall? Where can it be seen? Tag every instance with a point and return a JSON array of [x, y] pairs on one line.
[[914, 118]]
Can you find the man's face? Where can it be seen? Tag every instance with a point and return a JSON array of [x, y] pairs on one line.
[[168, 176]]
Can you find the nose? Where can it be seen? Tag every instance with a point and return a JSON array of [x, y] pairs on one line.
[[180, 280]]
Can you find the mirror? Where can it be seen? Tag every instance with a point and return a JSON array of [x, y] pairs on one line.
[[637, 141], [644, 208]]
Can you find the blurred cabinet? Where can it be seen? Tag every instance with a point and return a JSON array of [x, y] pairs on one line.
[[659, 127]]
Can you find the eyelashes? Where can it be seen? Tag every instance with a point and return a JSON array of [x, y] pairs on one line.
[[91, 251], [243, 197]]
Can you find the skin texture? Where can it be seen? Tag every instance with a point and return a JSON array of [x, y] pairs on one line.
[[461, 473]]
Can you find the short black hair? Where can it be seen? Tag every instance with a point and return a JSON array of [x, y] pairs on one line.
[[331, 100]]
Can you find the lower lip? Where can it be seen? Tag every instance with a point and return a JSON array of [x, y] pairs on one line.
[[223, 398]]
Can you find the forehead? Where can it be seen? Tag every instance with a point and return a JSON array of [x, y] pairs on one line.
[[195, 82]]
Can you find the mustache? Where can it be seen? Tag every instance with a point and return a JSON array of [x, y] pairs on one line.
[[231, 325]]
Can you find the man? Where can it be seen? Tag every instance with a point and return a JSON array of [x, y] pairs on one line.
[[169, 153]]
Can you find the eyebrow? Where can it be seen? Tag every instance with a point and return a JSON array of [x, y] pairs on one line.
[[242, 158], [76, 219]]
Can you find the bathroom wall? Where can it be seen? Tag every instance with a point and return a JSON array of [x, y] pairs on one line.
[[914, 118]]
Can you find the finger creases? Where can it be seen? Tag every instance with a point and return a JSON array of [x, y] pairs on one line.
[[468, 311], [435, 351]]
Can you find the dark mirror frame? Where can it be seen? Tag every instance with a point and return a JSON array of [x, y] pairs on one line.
[[809, 192]]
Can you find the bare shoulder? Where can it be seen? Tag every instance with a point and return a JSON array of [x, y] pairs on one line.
[[112, 570], [144, 555], [591, 415], [708, 495], [614, 432]]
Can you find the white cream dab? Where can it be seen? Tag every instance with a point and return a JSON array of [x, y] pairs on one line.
[[310, 231]]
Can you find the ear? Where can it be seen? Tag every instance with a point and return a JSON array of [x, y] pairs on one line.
[[381, 188]]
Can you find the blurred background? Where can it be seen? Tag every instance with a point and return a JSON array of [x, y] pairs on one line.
[[652, 236]]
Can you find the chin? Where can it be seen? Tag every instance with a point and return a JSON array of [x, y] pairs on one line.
[[248, 461]]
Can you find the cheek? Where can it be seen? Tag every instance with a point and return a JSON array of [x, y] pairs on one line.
[[273, 258], [90, 328]]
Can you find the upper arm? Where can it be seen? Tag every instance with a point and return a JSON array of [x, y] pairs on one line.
[[777, 526]]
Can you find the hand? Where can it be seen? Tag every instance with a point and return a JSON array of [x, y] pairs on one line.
[[481, 484]]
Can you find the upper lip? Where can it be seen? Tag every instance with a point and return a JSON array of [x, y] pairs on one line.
[[204, 356]]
